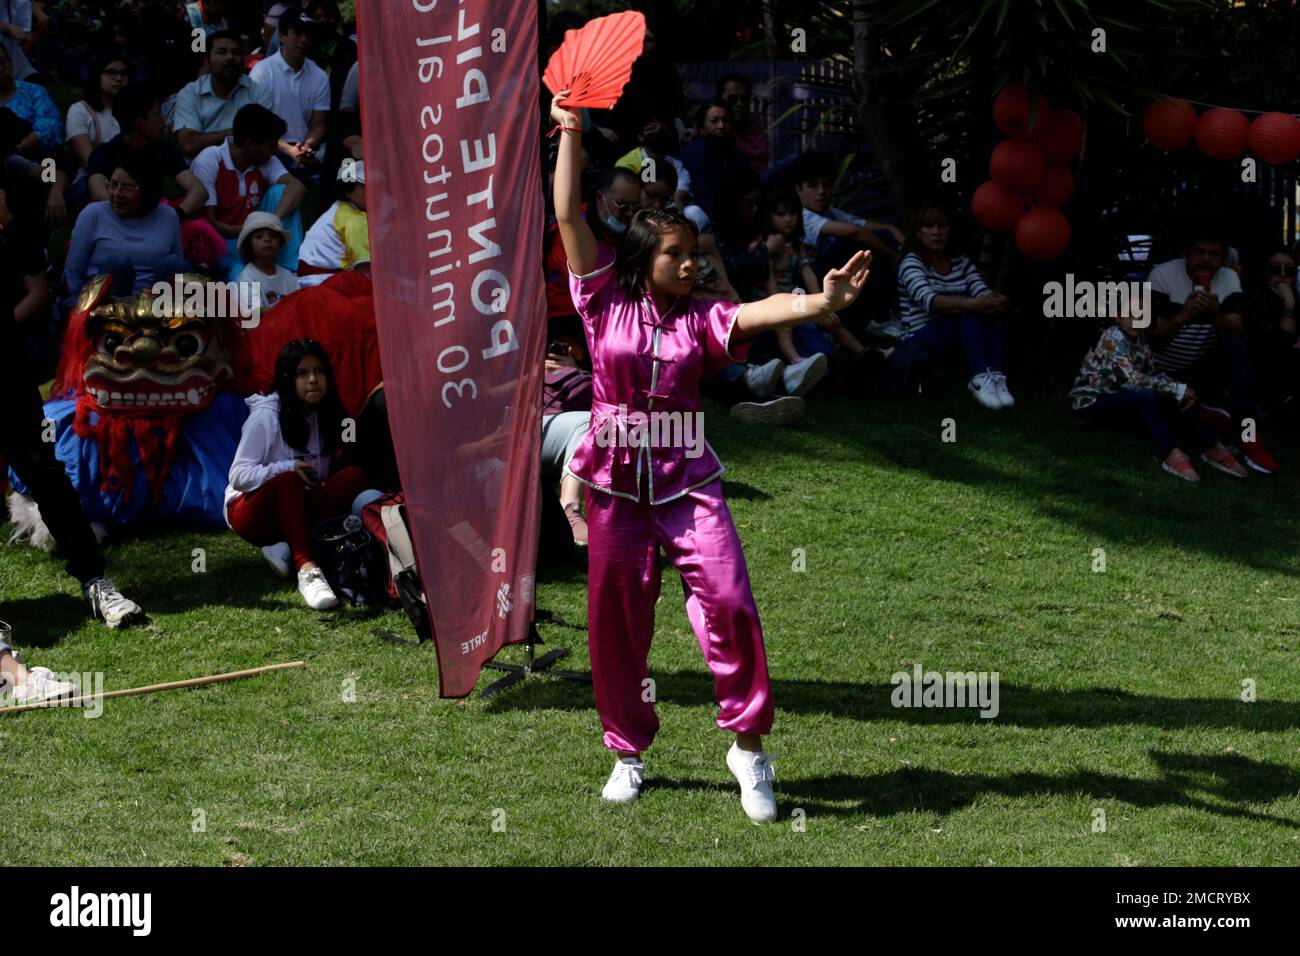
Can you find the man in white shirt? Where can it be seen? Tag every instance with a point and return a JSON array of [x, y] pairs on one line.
[[300, 90], [1197, 339], [206, 108]]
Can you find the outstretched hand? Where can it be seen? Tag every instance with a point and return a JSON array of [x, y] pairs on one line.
[[562, 115], [841, 286]]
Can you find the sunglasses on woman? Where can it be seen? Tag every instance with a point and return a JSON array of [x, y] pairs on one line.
[[1280, 269]]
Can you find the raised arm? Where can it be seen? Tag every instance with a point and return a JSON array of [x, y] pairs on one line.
[[579, 241], [777, 311]]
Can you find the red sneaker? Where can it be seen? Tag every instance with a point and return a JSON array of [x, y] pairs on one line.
[[1178, 464], [1225, 463], [1257, 457]]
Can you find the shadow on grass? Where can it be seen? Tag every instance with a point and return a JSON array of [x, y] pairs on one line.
[[1213, 783], [1029, 707], [1107, 485]]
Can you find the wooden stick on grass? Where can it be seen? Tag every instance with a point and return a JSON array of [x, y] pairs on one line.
[[153, 688]]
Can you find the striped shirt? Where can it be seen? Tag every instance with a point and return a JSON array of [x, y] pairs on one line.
[[918, 284], [1170, 288]]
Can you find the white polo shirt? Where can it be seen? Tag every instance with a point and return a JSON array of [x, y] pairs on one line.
[[296, 94]]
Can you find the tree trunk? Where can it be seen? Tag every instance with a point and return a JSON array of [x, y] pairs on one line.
[[891, 135]]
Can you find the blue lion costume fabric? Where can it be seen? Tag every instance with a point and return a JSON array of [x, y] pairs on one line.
[[195, 482]]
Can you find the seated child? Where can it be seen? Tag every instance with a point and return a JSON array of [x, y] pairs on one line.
[[281, 485], [1118, 387], [263, 282], [339, 238]]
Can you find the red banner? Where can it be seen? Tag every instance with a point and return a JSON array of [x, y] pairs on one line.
[[450, 126]]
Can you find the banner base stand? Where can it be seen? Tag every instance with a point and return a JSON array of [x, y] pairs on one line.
[[515, 673]]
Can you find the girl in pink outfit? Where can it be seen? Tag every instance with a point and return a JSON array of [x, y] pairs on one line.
[[651, 479]]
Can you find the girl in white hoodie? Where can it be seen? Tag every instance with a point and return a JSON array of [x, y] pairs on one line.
[[281, 485]]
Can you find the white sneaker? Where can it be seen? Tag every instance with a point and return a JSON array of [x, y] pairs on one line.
[[42, 686], [1004, 393], [109, 604], [624, 784], [755, 773], [762, 379], [280, 558], [985, 390], [785, 410], [800, 377], [315, 590]]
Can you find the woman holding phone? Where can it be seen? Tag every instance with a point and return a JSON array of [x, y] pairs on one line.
[[651, 341], [282, 483]]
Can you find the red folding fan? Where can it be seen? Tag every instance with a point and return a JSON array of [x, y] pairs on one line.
[[595, 63]]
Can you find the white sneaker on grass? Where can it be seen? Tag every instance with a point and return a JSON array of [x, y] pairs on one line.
[[763, 379], [800, 377], [280, 558], [755, 773], [624, 783], [1004, 393], [109, 604], [315, 590], [41, 686], [985, 389], [785, 410]]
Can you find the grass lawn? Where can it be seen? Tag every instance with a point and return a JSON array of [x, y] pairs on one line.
[[1119, 691]]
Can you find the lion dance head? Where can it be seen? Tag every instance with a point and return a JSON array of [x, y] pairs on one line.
[[143, 363]]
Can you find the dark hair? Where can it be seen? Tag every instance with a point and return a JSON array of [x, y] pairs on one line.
[[134, 103], [293, 414], [331, 6], [665, 172], [726, 78], [776, 199], [923, 214], [146, 168], [216, 35], [1205, 232], [612, 175], [703, 110], [257, 123], [811, 165], [90, 91], [641, 242]]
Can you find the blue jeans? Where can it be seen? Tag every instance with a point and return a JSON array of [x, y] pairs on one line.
[[1225, 369], [981, 337], [1144, 412]]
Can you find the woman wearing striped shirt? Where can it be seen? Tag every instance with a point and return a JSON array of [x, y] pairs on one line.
[[946, 305]]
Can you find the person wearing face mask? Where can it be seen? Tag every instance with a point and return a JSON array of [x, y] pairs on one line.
[[712, 158]]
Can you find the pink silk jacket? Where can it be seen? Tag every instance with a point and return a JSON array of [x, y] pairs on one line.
[[647, 363]]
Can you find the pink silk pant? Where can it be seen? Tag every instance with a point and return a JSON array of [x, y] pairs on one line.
[[699, 538]]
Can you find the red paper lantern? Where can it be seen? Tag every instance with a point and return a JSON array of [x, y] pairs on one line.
[[1275, 137], [1011, 111], [1221, 134], [1169, 124], [1055, 186], [995, 209], [1042, 234], [1017, 166], [1061, 137]]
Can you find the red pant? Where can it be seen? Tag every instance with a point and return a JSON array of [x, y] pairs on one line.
[[285, 509]]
